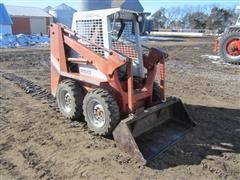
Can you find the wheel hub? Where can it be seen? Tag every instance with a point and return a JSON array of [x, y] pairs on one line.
[[67, 101], [233, 47], [98, 116]]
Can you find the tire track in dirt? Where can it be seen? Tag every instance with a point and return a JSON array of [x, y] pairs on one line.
[[56, 144]]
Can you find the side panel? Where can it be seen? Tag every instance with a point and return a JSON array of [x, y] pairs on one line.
[[5, 29], [90, 70], [55, 75], [57, 47], [21, 25], [38, 25]]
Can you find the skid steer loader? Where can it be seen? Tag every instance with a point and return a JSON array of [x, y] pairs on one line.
[[100, 69]]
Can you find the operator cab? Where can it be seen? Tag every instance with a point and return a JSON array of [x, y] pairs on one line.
[[115, 29]]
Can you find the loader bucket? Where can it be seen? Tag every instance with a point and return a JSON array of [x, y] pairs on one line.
[[148, 133]]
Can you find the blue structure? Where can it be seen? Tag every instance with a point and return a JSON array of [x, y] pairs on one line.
[[134, 5], [89, 5], [148, 25], [63, 14], [5, 21]]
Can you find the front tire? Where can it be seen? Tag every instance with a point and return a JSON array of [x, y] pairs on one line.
[[69, 98], [101, 112]]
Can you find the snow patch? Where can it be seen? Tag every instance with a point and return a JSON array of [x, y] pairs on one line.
[[212, 57], [215, 59], [155, 38]]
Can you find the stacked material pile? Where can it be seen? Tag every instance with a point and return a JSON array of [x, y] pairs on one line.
[[22, 40]]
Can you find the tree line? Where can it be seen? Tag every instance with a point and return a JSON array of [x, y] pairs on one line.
[[201, 17]]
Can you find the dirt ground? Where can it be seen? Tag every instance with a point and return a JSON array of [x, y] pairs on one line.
[[38, 143]]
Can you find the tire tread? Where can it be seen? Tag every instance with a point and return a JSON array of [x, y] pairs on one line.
[[78, 95], [112, 108]]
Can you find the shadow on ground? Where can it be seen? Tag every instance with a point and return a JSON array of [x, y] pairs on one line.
[[217, 132]]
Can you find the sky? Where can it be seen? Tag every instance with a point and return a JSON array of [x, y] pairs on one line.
[[149, 5]]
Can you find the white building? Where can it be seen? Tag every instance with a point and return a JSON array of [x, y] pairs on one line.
[[29, 20]]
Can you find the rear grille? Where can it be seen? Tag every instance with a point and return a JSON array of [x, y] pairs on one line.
[[93, 31]]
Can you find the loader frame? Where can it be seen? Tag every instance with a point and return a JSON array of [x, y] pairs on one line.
[[62, 39]]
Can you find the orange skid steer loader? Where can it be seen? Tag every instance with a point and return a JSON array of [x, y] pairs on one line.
[[99, 69]]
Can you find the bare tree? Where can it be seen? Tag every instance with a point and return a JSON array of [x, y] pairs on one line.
[[193, 17], [220, 18], [159, 18]]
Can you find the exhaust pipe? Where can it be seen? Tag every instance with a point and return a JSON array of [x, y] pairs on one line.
[[148, 133]]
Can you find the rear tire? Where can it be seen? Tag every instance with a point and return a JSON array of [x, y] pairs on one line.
[[69, 98], [234, 29], [223, 42], [101, 112]]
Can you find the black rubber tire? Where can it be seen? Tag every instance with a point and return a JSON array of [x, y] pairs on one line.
[[234, 29], [156, 92], [222, 47], [110, 107], [76, 93]]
